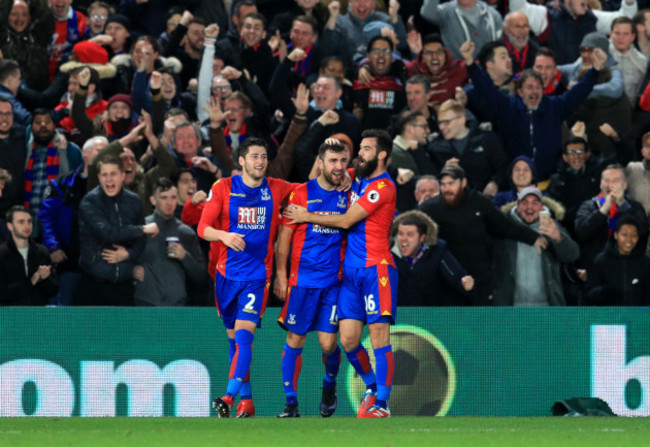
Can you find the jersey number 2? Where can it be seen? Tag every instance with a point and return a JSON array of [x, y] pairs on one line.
[[249, 305]]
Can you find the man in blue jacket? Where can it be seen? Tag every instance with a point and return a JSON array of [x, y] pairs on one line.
[[530, 122]]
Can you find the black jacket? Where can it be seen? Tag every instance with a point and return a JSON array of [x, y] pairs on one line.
[[483, 158], [468, 229], [618, 280], [16, 288], [104, 221], [426, 282], [572, 188], [592, 227]]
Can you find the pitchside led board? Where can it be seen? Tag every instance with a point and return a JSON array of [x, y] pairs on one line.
[[449, 361]]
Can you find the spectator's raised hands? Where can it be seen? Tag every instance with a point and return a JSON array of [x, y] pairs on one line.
[[301, 101], [212, 31], [215, 112], [414, 41], [186, 18], [609, 131], [84, 77], [579, 129], [231, 73], [467, 51], [393, 9], [156, 80]]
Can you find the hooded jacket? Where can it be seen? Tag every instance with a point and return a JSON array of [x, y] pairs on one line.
[[566, 250], [619, 280], [443, 85], [433, 278]]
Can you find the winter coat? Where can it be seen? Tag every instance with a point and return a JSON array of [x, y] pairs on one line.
[[428, 281], [104, 221], [506, 261]]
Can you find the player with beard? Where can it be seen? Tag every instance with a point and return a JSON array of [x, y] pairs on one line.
[[49, 156], [314, 280], [369, 290], [241, 213], [467, 220]]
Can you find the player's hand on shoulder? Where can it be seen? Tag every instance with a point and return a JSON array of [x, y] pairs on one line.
[[296, 214]]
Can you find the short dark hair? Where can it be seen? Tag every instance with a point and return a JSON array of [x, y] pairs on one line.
[[432, 38], [546, 51], [245, 147], [379, 37], [336, 148], [417, 221], [8, 101], [420, 79], [257, 16], [110, 160], [179, 173], [237, 4], [575, 140], [163, 184], [337, 82], [486, 54], [175, 111], [406, 117], [150, 40], [624, 20], [333, 57], [627, 219], [17, 209], [41, 111], [384, 141], [527, 74], [308, 20], [8, 67]]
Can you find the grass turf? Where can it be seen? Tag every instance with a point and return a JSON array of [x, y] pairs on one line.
[[312, 432]]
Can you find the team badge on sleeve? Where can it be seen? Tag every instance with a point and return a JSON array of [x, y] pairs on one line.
[[373, 196]]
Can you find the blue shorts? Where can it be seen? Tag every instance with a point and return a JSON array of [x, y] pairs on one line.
[[240, 300], [369, 294], [311, 309]]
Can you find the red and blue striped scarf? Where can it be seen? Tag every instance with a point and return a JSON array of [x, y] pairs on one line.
[[51, 170], [242, 136]]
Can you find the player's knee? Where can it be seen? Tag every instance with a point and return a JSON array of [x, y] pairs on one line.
[[295, 340], [349, 342], [379, 335], [328, 344]]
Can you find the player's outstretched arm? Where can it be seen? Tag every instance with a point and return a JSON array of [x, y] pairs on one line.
[[299, 214]]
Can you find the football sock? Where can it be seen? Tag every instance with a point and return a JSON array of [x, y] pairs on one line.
[[241, 361], [291, 366], [332, 362], [385, 369], [359, 360]]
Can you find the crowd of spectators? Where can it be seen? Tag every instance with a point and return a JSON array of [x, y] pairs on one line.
[[521, 148]]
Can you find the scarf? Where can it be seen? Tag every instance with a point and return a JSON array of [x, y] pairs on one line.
[[51, 170], [381, 83], [613, 214], [519, 57], [242, 137]]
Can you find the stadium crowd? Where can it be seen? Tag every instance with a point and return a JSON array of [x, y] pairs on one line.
[[521, 140]]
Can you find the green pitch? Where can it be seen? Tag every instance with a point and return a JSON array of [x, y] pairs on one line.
[[312, 432]]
